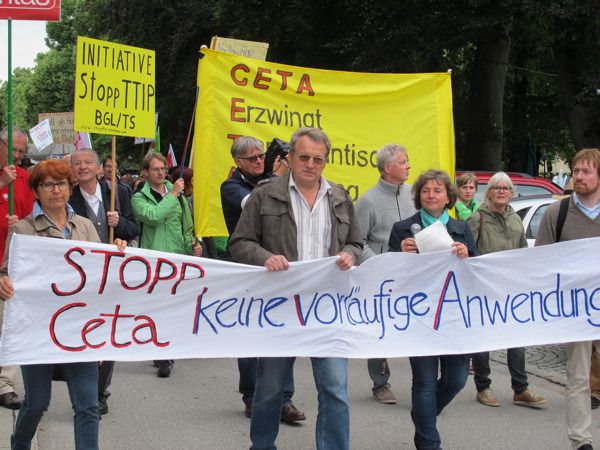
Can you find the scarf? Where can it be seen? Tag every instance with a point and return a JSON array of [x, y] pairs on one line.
[[428, 219]]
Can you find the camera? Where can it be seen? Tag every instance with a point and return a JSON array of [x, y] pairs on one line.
[[277, 148]]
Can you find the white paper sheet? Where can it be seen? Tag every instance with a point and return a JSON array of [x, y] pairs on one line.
[[433, 238]]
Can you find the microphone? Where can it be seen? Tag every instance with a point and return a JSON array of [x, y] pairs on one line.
[[415, 228]]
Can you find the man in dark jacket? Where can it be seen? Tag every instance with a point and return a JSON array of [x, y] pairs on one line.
[[91, 199], [297, 217]]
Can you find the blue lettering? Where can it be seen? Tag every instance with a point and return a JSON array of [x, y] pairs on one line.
[[272, 304], [224, 306], [514, 305]]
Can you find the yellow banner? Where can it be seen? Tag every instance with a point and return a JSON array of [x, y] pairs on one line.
[[114, 89], [360, 112]]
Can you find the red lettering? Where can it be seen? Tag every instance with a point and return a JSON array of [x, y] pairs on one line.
[[184, 267], [239, 81], [153, 335], [77, 268], [90, 326], [284, 76], [233, 137], [122, 270], [260, 77], [157, 277], [237, 109], [53, 323], [98, 322], [108, 254], [113, 329], [304, 85]]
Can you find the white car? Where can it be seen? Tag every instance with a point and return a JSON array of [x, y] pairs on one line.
[[531, 209]]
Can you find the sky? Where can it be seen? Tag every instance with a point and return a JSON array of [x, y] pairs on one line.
[[27, 41]]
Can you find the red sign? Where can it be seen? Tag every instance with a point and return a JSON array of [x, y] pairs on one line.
[[30, 10]]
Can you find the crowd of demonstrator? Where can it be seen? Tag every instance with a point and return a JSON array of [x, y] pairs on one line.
[[71, 200]]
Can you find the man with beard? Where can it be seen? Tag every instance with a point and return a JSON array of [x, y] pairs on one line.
[[577, 217]]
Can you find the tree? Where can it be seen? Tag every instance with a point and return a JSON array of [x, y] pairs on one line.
[[577, 57], [21, 85]]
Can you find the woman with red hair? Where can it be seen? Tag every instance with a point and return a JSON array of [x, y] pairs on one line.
[[52, 182]]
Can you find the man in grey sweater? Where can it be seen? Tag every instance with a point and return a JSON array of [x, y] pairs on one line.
[[378, 209]]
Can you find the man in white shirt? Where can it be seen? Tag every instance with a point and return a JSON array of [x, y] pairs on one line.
[[297, 217]]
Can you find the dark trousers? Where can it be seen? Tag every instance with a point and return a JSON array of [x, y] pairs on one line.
[[515, 358], [105, 372], [248, 368]]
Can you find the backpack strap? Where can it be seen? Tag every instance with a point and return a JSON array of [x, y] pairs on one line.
[[562, 216]]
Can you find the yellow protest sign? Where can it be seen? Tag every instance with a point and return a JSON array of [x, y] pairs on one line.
[[360, 112], [114, 89]]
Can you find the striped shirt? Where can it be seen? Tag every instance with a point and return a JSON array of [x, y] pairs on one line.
[[313, 226]]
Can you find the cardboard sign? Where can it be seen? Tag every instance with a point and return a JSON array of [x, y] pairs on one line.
[[114, 89], [249, 49], [48, 10], [61, 124]]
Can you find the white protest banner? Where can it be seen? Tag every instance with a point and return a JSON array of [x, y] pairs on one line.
[[41, 135], [88, 302]]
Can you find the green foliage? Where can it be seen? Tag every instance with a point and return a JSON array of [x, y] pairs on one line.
[[21, 81], [365, 35]]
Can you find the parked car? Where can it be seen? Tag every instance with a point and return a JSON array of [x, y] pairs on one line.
[[525, 184], [531, 209]]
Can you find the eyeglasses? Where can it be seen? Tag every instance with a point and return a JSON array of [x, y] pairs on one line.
[[158, 169], [49, 186], [252, 159], [317, 160], [502, 188]]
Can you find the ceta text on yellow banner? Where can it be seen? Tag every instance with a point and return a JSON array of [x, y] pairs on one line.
[[114, 89], [360, 112]]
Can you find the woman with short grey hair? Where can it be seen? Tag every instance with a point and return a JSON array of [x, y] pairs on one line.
[[496, 228]]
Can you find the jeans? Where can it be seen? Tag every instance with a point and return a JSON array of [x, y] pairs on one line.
[[82, 381], [430, 395], [379, 371], [333, 416], [515, 358], [247, 368]]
